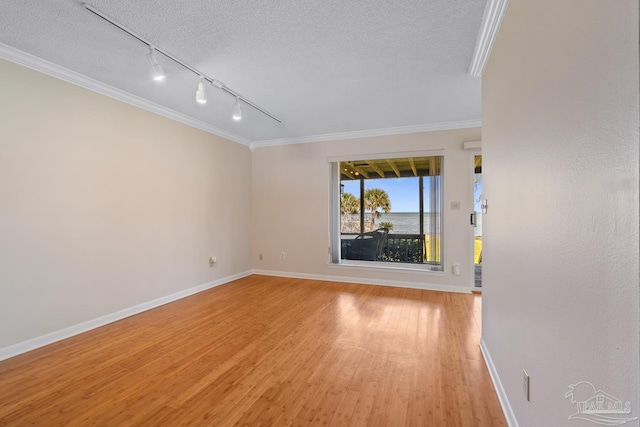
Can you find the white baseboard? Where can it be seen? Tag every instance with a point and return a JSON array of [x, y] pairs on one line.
[[365, 281], [497, 384], [41, 341], [50, 338]]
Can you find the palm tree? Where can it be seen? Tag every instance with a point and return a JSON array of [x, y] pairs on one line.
[[387, 225], [374, 199], [349, 205]]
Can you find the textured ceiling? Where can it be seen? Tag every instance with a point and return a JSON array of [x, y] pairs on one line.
[[321, 66]]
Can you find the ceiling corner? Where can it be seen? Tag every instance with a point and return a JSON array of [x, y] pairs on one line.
[[493, 14]]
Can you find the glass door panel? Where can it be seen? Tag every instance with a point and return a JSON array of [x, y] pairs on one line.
[[477, 229]]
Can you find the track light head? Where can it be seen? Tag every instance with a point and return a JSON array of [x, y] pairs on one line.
[[201, 94], [237, 112], [156, 70], [159, 75]]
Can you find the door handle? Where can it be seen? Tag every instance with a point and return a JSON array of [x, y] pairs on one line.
[[472, 219]]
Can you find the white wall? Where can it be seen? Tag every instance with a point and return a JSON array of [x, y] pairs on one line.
[[291, 207], [560, 152], [104, 206]]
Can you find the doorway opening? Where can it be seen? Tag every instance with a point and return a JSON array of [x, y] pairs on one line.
[[477, 220]]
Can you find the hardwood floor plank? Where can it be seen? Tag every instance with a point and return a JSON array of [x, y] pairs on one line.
[[266, 351]]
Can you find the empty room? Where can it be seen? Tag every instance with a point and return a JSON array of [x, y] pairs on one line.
[[408, 213]]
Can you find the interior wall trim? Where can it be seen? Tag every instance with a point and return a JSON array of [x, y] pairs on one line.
[[365, 281], [432, 127], [497, 384], [493, 13], [50, 338], [53, 70]]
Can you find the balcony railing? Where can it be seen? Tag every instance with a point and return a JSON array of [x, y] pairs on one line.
[[403, 248], [409, 248]]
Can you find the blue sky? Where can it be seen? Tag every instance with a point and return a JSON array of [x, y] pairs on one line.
[[403, 192]]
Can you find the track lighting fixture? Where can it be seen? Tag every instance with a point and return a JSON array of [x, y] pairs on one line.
[[201, 94], [156, 70], [158, 74], [237, 112]]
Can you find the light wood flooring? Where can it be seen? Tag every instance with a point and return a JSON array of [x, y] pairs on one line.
[[266, 351]]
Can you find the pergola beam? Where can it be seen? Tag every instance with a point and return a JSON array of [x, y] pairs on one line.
[[346, 168], [376, 168], [413, 167], [347, 174], [359, 170], [394, 167], [387, 168]]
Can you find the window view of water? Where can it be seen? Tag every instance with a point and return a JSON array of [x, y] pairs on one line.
[[395, 190], [407, 222]]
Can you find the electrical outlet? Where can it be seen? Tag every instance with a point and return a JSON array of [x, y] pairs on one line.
[[260, 257], [212, 261], [282, 255], [525, 384]]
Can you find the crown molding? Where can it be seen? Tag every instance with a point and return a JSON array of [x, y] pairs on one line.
[[492, 19], [464, 124], [40, 65], [43, 66]]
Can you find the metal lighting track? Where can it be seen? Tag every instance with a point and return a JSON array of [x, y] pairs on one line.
[[214, 82]]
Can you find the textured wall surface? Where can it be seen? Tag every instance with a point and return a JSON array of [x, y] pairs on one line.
[[560, 147], [291, 205], [104, 206]]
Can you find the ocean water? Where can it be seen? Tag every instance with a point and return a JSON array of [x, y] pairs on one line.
[[405, 222], [409, 222]]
